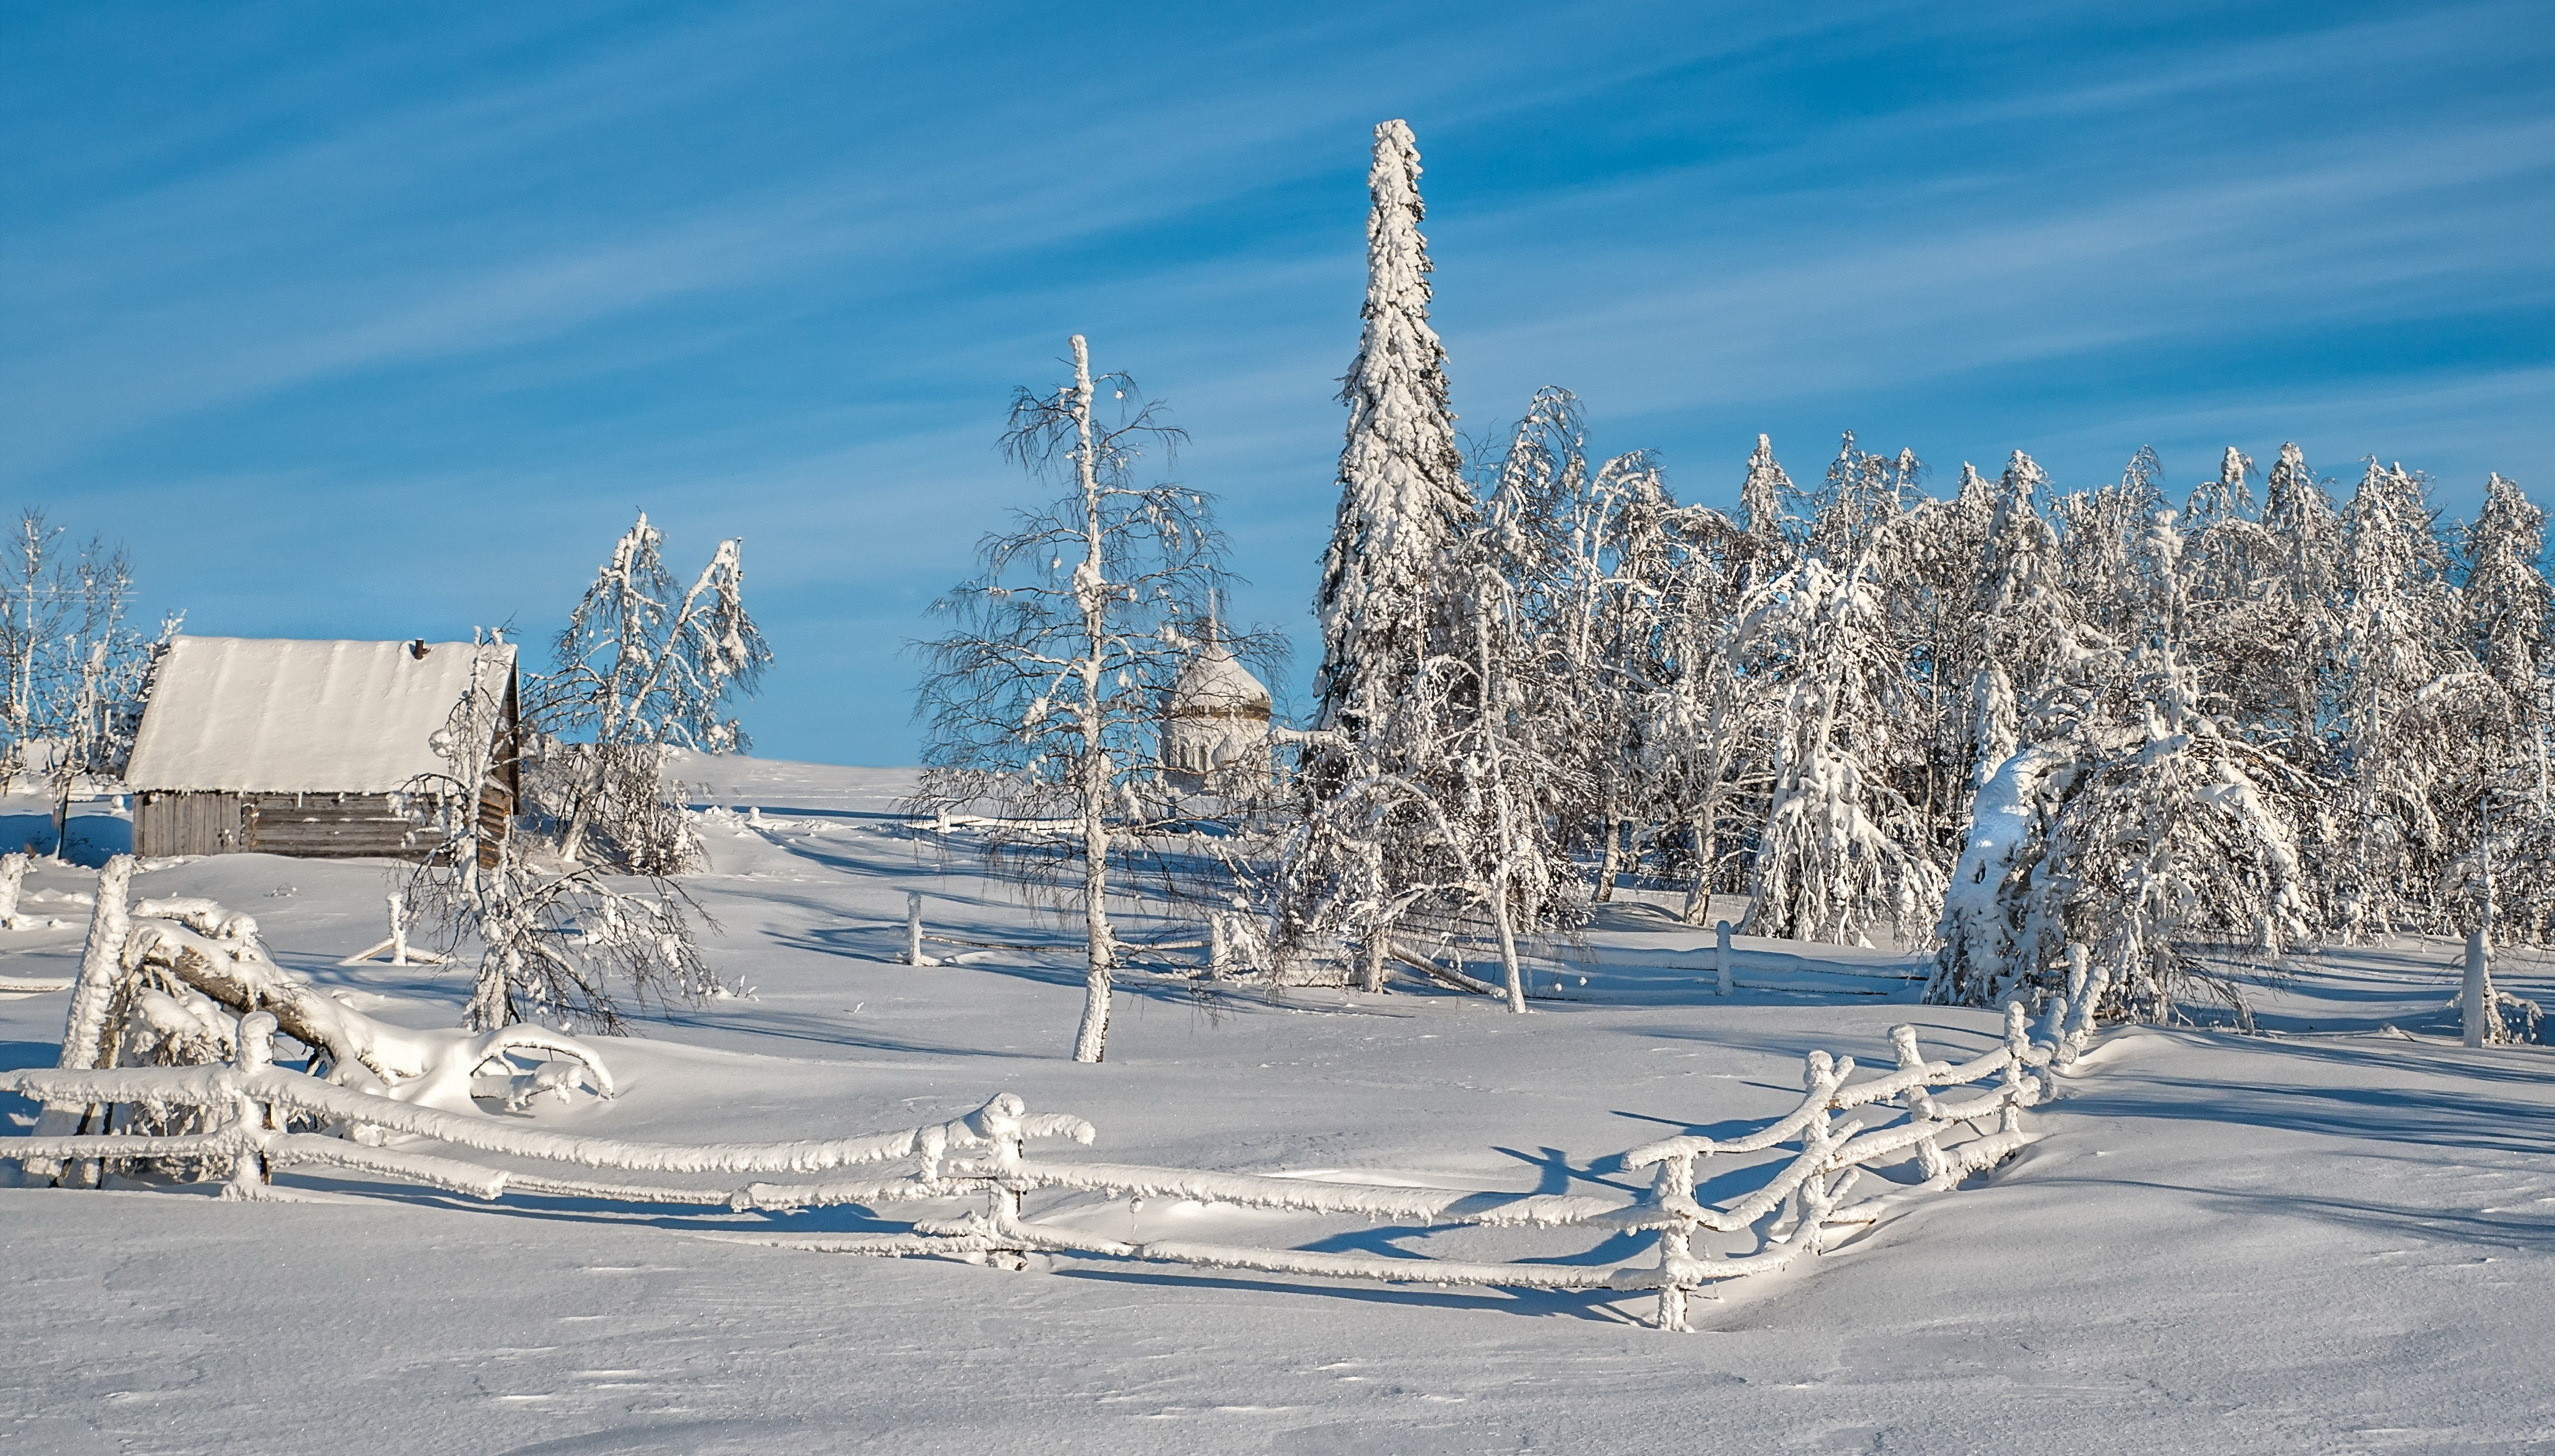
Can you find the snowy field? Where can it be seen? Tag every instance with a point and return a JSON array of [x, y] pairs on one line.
[[2336, 1236]]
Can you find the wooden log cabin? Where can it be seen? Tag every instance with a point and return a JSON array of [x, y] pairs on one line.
[[321, 750]]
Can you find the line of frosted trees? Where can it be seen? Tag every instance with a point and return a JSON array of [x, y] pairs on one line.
[[2080, 741]]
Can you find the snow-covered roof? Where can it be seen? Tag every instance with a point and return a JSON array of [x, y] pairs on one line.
[[270, 715], [1215, 684]]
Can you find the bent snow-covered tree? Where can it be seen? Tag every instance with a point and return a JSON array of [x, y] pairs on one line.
[[2103, 866], [563, 944], [1043, 709], [642, 667]]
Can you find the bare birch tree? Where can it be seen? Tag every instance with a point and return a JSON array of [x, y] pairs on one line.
[[1043, 708]]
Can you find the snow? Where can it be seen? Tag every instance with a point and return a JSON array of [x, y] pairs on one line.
[[2335, 1235], [302, 717]]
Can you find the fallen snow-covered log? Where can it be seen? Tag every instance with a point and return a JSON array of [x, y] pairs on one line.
[[165, 983], [1843, 1131]]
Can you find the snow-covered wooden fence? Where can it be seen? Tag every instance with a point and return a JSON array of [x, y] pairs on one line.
[[1842, 1132], [252, 1104]]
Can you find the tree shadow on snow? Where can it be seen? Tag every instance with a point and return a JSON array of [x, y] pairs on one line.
[[702, 1218], [1595, 1306], [2447, 1117], [2434, 1225], [2523, 1066], [1557, 1175], [820, 1029]]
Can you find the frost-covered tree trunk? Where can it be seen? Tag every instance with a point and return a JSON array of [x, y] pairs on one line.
[[1092, 599]]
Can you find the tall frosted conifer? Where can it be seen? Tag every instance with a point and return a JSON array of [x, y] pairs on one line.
[[2510, 608], [2399, 638], [1765, 509], [1403, 499], [1370, 841], [2305, 591]]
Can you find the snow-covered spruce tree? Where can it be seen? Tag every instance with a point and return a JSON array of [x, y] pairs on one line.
[[1403, 499], [1841, 852], [1043, 707], [642, 667], [1769, 512], [2400, 635], [1383, 600], [564, 944], [2509, 605], [2303, 599]]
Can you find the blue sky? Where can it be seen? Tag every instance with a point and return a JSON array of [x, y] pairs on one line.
[[371, 320]]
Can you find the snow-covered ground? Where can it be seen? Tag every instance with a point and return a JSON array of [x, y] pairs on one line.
[[2335, 1236]]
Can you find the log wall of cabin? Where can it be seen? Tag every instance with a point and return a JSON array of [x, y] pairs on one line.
[[171, 824], [341, 826], [305, 826]]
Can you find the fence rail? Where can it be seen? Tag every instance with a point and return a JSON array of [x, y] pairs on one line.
[[1843, 1131]]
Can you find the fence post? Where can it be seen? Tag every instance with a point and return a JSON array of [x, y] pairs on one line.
[[398, 933], [256, 1052], [1721, 955], [2476, 1000], [93, 999], [1674, 1190], [13, 874], [913, 927], [998, 1122], [1219, 946]]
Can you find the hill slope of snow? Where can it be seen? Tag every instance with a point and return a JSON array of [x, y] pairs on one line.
[[2331, 1237]]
